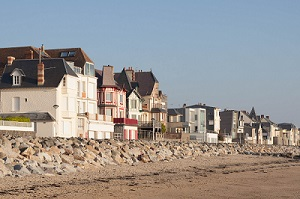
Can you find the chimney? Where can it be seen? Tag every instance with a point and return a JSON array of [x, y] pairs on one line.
[[10, 60], [267, 116], [131, 74], [262, 116], [29, 55], [40, 74], [40, 69]]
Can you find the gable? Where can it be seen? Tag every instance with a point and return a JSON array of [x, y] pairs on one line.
[[17, 72]]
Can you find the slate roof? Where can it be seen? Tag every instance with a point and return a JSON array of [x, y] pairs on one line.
[[18, 53], [55, 69], [200, 106], [34, 116], [123, 80], [143, 80], [287, 126], [173, 112], [106, 77], [267, 120], [253, 114], [146, 82], [79, 59]]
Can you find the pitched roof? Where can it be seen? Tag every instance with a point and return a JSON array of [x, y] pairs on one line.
[[54, 71], [200, 106], [173, 112], [106, 77], [123, 80], [287, 126], [19, 53], [146, 82], [76, 55], [253, 114]]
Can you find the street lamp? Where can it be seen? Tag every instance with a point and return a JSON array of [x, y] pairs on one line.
[[153, 127], [55, 106]]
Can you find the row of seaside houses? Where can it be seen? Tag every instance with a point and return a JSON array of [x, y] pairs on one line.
[[64, 95]]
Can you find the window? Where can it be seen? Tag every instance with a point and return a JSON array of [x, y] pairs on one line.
[[16, 104], [89, 69], [64, 54], [196, 117], [16, 80], [64, 81], [108, 112], [109, 97], [68, 54], [133, 116], [72, 54], [80, 123], [121, 99], [83, 86], [78, 89], [133, 104]]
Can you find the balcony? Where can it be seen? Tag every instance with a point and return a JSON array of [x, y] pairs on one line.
[[126, 121], [96, 117]]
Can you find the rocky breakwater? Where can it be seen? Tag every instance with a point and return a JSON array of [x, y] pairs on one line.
[[56, 156]]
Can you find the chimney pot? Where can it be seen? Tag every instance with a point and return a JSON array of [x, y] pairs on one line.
[[10, 60], [29, 55], [262, 116], [267, 116]]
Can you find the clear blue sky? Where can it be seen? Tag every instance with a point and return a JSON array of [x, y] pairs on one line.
[[225, 53]]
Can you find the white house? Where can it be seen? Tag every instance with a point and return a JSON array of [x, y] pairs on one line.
[[51, 86]]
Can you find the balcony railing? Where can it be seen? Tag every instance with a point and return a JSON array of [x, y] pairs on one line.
[[127, 121], [96, 117]]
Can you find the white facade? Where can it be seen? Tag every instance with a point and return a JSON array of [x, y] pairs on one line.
[[67, 104], [196, 119], [217, 120], [134, 106]]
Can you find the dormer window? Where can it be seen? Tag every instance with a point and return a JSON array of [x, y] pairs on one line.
[[16, 80], [17, 75], [89, 69], [68, 54]]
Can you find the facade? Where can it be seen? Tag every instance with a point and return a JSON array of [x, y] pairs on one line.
[[269, 129], [192, 120], [289, 134], [230, 126], [54, 86], [242, 127], [153, 112], [176, 122], [126, 80], [111, 98], [212, 117], [126, 129]]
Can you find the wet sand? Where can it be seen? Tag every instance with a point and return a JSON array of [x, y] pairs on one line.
[[232, 176]]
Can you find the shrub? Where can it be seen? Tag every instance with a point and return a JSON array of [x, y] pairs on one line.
[[17, 119]]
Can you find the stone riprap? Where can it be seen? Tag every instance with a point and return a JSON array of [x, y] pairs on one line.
[[20, 156]]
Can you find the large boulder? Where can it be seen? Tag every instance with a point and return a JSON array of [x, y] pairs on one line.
[[4, 171]]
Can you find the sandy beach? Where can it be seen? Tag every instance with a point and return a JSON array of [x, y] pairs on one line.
[[230, 176]]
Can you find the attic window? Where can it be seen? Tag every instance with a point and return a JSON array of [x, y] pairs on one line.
[[17, 76], [64, 54], [67, 54], [16, 80], [72, 53]]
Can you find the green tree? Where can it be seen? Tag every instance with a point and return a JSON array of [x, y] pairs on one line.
[[163, 128]]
